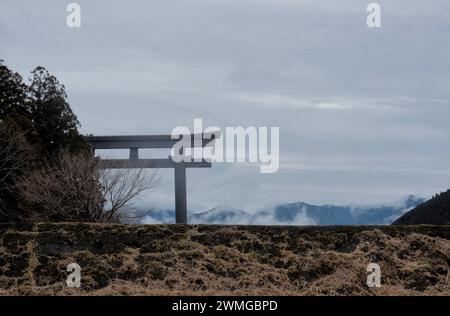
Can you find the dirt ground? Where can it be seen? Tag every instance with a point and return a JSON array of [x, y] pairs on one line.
[[223, 260]]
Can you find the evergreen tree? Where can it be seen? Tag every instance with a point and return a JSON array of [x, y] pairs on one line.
[[13, 94], [36, 123], [55, 126], [41, 111]]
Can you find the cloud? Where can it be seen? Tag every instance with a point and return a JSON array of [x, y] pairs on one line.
[[268, 218], [150, 220], [229, 216], [363, 113]]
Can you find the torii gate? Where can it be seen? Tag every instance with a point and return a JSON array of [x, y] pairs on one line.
[[134, 143]]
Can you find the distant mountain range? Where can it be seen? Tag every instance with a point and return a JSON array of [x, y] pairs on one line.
[[347, 215], [435, 211], [299, 213]]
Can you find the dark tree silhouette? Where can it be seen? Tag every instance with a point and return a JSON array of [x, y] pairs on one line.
[[36, 123], [13, 95], [54, 123], [40, 110]]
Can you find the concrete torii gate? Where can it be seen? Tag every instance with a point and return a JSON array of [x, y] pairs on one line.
[[133, 143]]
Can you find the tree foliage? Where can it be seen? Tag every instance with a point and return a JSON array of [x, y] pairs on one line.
[[46, 170], [41, 110], [36, 122], [55, 126], [14, 109]]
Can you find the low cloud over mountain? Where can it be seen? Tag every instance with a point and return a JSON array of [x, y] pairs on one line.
[[299, 213]]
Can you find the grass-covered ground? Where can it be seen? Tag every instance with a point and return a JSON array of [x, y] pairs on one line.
[[226, 260]]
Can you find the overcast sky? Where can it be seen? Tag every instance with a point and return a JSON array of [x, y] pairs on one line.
[[363, 113]]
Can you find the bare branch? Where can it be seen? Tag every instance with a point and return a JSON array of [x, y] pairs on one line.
[[75, 188], [16, 158]]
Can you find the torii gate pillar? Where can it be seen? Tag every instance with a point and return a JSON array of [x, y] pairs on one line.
[[180, 194]]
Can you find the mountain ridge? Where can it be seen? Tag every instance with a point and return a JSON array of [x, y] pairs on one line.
[[435, 211], [296, 213]]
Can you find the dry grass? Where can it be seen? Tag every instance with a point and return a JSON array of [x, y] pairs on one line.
[[219, 260]]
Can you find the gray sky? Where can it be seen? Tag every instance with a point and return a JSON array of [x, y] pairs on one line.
[[363, 113]]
